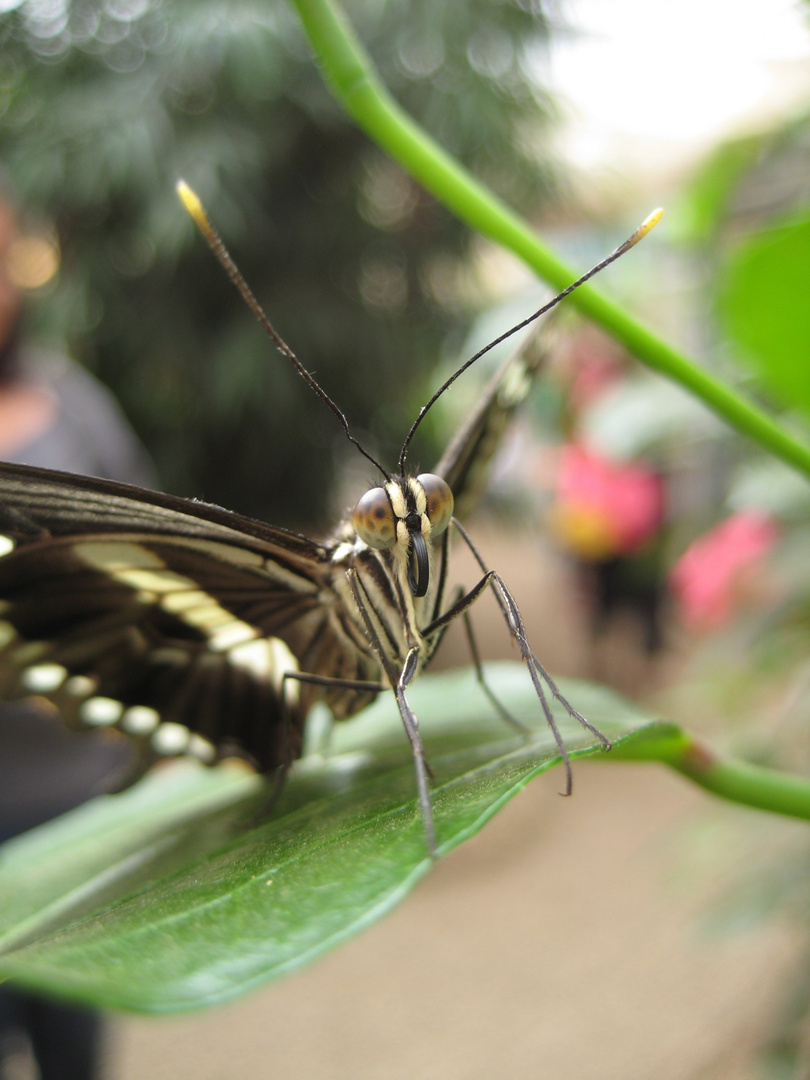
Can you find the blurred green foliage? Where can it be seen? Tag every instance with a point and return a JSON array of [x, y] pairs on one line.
[[764, 305], [750, 207], [104, 103], [749, 212]]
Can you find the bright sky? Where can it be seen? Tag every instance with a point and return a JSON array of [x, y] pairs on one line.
[[680, 71]]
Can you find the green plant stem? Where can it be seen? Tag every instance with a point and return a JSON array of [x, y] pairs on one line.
[[354, 82], [738, 781]]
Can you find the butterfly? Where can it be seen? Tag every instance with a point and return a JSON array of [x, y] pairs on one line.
[[195, 630]]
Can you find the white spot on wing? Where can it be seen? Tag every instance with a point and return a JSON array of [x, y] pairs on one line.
[[284, 662], [100, 711], [209, 617], [153, 581], [150, 578], [201, 611], [42, 678], [515, 384], [268, 658], [181, 600], [171, 738], [114, 556], [201, 748], [140, 720], [244, 558], [7, 545], [235, 633], [80, 686], [148, 575], [30, 652], [254, 656]]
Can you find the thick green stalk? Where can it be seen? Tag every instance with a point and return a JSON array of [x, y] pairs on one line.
[[752, 785], [355, 84]]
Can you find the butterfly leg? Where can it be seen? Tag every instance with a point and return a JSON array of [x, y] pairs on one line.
[[271, 799], [569, 708], [328, 681], [317, 680], [502, 711], [423, 770], [514, 620], [280, 773], [515, 623], [345, 684], [409, 721], [400, 682]]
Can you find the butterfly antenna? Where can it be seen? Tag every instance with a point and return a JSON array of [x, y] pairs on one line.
[[646, 226], [198, 215]]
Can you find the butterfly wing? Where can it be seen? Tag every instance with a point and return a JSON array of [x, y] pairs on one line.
[[175, 621], [172, 620], [465, 462]]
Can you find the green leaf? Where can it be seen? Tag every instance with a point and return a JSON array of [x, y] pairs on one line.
[[763, 301], [705, 204], [161, 899], [168, 898]]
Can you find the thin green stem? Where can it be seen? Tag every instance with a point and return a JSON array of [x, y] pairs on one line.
[[354, 82], [738, 781]]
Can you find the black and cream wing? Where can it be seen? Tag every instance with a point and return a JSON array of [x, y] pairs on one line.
[[171, 620], [465, 463]]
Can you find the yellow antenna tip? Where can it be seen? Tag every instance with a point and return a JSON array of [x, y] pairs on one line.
[[191, 201], [649, 223]]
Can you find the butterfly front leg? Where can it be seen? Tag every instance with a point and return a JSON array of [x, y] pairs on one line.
[[458, 594], [277, 776], [400, 680], [423, 770], [491, 579], [409, 721], [499, 707], [329, 682]]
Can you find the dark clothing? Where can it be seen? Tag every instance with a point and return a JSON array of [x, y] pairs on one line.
[[64, 1039], [45, 769], [90, 434]]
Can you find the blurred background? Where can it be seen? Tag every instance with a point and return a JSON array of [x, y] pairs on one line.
[[639, 929]]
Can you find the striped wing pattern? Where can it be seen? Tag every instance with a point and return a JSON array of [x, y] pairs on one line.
[[175, 621], [171, 620], [465, 462]]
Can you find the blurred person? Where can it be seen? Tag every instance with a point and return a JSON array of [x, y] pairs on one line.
[[610, 515], [52, 414]]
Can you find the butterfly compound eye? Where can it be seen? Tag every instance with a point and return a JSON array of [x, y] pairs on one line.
[[439, 501], [373, 519]]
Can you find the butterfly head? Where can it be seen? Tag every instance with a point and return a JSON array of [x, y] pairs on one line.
[[404, 515]]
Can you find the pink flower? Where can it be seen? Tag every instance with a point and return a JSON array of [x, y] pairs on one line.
[[603, 508], [714, 573]]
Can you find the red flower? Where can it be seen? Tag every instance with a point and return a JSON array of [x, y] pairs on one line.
[[603, 508], [714, 573]]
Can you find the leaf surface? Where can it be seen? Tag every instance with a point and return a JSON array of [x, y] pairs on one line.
[[168, 898], [763, 300]]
